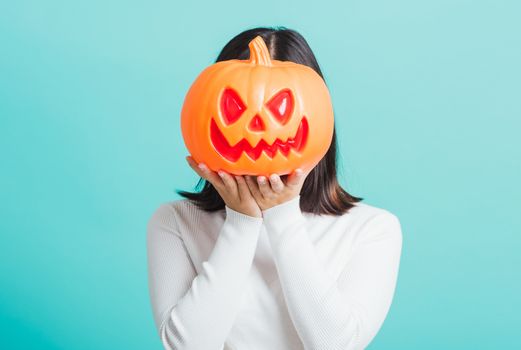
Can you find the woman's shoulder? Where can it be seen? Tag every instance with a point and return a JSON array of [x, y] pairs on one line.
[[372, 221], [179, 211], [360, 211], [173, 206], [177, 206], [362, 221], [366, 211]]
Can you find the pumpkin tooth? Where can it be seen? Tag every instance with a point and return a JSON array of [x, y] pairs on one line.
[[222, 145], [301, 136], [283, 147]]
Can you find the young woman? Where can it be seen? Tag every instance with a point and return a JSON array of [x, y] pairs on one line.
[[285, 262]]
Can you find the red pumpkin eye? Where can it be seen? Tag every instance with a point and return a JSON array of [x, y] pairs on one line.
[[281, 105], [232, 106]]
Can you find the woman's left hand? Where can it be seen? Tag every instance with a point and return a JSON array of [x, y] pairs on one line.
[[272, 191]]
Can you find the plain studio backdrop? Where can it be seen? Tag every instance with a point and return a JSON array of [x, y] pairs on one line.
[[427, 108]]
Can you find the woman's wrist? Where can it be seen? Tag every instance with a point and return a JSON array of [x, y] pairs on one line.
[[241, 218], [286, 211], [291, 203]]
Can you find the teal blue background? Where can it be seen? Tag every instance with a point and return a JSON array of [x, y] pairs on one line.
[[427, 102]]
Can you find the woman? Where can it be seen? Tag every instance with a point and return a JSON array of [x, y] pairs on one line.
[[289, 262]]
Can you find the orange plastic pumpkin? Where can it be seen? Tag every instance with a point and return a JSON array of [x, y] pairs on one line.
[[258, 116]]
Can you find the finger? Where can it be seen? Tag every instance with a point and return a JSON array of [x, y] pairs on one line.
[[229, 182], [244, 191], [203, 171], [295, 178], [253, 187], [276, 183], [264, 187]]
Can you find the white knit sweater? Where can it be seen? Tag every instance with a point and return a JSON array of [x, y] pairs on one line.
[[289, 280]]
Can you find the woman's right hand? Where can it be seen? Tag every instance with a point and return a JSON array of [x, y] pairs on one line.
[[232, 188]]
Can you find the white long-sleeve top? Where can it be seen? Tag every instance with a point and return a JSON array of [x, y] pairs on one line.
[[287, 281]]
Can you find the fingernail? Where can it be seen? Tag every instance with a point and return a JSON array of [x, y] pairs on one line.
[[273, 177], [261, 179], [298, 171], [221, 174], [201, 166]]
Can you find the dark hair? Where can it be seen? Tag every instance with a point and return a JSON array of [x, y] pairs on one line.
[[321, 193]]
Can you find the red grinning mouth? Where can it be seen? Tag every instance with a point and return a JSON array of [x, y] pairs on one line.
[[233, 153]]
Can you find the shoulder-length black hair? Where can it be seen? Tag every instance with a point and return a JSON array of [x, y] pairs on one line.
[[321, 193]]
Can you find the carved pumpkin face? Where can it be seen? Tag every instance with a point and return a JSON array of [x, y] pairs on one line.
[[258, 116]]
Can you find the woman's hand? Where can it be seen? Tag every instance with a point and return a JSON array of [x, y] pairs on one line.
[[270, 193], [232, 188]]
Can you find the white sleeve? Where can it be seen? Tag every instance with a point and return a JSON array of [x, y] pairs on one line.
[[197, 311], [331, 314]]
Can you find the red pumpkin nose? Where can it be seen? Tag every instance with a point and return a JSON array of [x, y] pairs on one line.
[[256, 124]]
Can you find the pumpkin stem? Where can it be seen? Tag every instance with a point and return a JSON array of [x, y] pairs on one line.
[[259, 53]]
